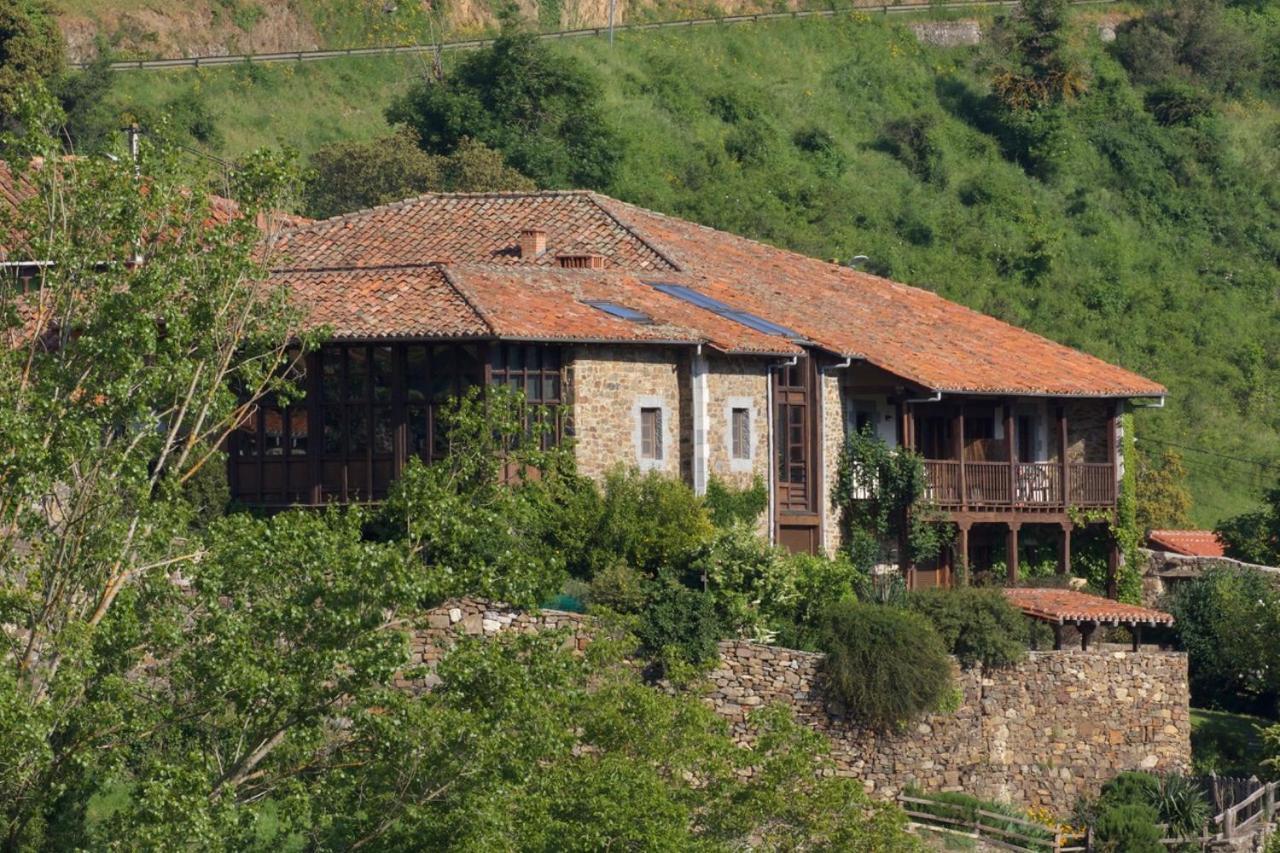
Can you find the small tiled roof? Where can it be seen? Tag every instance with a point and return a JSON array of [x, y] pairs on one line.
[[472, 228], [1067, 605], [917, 335], [1194, 543]]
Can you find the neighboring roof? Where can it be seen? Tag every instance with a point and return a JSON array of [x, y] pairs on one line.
[[1193, 543], [1067, 605], [929, 341]]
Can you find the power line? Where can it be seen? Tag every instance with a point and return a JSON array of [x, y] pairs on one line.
[[1268, 466]]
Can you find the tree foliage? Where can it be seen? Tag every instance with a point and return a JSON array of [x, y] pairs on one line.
[[349, 176], [31, 52], [1254, 536], [1219, 618], [539, 108], [977, 625], [1164, 501], [887, 666]]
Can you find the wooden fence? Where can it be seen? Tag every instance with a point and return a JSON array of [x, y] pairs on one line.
[[1253, 813], [993, 828]]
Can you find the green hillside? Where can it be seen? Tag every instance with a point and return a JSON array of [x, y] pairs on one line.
[[1153, 245]]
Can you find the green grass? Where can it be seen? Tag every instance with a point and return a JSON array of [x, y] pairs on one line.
[[1174, 278], [1227, 744]]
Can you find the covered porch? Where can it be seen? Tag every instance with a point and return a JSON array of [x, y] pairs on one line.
[[1086, 613]]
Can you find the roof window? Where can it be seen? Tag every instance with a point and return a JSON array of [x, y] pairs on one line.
[[715, 306], [622, 312]]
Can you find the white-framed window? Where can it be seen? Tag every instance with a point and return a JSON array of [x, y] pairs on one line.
[[740, 432], [651, 425]]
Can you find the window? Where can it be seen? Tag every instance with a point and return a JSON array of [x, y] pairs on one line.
[[533, 370], [651, 434], [741, 432]]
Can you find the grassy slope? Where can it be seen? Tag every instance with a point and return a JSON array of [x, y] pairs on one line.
[[1094, 259], [1227, 744]]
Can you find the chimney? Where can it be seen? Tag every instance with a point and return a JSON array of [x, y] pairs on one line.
[[581, 262], [533, 242]]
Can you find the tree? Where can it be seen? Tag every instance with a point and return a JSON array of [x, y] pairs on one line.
[[349, 176], [1041, 72], [118, 382], [1219, 620], [1163, 498], [31, 52], [520, 97], [1254, 536]]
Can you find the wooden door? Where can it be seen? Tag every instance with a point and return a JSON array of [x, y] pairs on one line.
[[796, 441]]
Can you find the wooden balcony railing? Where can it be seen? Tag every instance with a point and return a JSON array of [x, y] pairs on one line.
[[1033, 485]]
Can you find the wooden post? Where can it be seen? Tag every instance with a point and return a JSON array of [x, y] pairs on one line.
[[1012, 452], [1136, 630], [1057, 636], [1113, 451], [1063, 496], [1012, 555], [1064, 555], [962, 551], [957, 437], [1086, 632]]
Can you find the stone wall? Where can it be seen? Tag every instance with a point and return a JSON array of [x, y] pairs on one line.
[[737, 383], [832, 426], [443, 626], [1042, 732], [1163, 571], [1086, 431], [608, 386]]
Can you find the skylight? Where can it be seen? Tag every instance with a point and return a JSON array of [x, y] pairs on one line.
[[620, 311], [715, 306]]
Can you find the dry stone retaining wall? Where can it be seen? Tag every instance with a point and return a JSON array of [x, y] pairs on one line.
[[1041, 732]]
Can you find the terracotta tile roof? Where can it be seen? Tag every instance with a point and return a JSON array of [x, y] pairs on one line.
[[1195, 543], [913, 333], [908, 331], [471, 228], [399, 302], [1068, 605]]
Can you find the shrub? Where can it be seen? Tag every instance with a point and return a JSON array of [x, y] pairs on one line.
[[887, 666], [618, 587], [728, 506], [680, 620], [1182, 806], [910, 143], [977, 625], [1173, 104], [650, 522], [1128, 829], [1130, 788], [820, 581], [1218, 619], [747, 579]]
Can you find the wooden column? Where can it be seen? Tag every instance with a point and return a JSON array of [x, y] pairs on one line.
[[962, 550], [1012, 557], [1136, 630], [1057, 637], [1064, 497], [1086, 632], [1013, 452], [957, 438], [1064, 554]]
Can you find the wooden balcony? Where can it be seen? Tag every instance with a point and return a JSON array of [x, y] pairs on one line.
[[1033, 486]]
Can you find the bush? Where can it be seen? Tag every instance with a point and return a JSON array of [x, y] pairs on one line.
[[887, 666], [1128, 829], [728, 506], [649, 521], [1130, 788], [1175, 801], [977, 625], [909, 141], [618, 587], [1218, 620], [682, 621]]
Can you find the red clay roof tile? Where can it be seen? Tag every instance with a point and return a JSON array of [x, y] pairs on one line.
[[1068, 605], [1195, 543], [913, 333]]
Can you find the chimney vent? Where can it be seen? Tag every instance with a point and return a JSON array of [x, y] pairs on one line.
[[581, 262], [533, 242]]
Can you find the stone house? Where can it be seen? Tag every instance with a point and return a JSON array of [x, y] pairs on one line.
[[673, 347]]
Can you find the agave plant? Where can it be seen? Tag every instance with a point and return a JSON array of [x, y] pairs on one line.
[[1182, 806]]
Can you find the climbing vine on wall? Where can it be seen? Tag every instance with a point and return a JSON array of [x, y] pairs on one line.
[[1126, 531], [881, 496]]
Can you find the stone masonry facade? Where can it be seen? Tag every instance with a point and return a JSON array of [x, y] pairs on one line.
[[1040, 733]]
